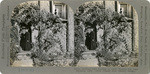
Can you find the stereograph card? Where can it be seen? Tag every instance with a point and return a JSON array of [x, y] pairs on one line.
[[75, 37]]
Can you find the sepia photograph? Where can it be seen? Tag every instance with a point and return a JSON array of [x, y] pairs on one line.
[[39, 34], [96, 34], [106, 35]]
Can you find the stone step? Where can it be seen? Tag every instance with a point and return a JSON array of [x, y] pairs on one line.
[[89, 52], [89, 60], [23, 60], [88, 63], [89, 55], [24, 53]]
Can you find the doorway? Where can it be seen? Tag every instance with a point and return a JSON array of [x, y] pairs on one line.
[[91, 37], [25, 39]]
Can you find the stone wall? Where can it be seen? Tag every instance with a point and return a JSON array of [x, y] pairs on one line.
[[44, 5], [110, 5], [70, 30]]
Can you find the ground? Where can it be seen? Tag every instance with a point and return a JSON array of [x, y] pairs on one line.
[[24, 60], [89, 59]]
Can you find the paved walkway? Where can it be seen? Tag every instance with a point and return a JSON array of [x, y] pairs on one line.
[[23, 60], [89, 60]]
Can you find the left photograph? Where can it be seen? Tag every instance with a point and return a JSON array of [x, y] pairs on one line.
[[41, 34]]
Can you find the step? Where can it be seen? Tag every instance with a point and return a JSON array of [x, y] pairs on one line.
[[89, 52], [89, 55], [88, 63]]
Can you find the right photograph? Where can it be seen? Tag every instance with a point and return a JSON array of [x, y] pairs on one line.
[[106, 35]]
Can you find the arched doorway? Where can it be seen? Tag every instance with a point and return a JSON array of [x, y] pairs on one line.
[[91, 36], [25, 37]]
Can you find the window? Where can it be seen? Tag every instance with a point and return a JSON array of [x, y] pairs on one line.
[[126, 9], [123, 9], [60, 10]]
